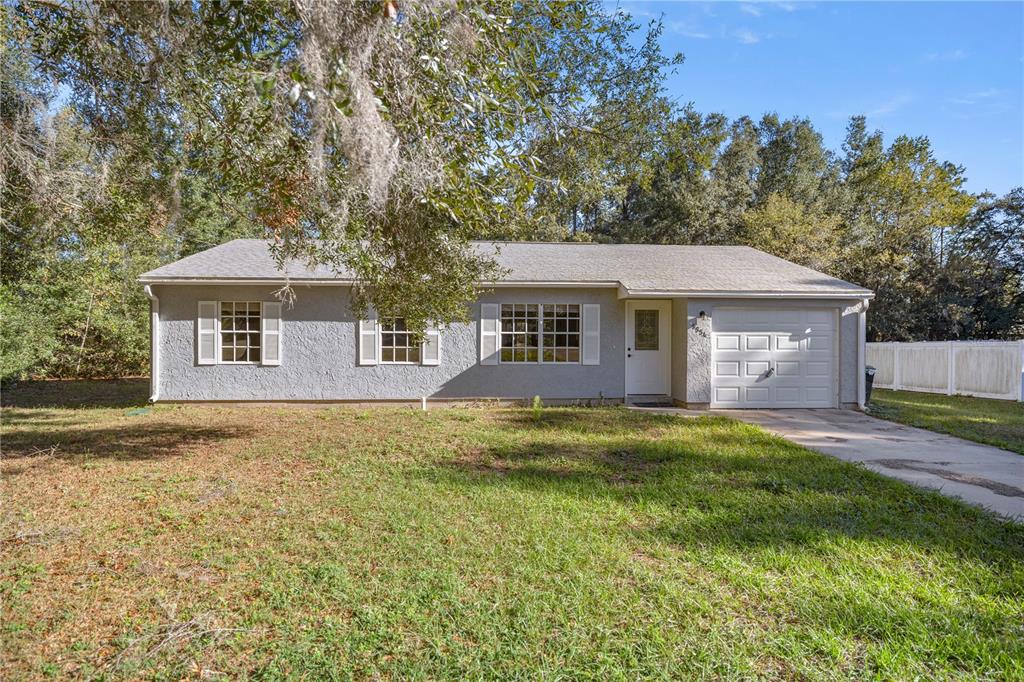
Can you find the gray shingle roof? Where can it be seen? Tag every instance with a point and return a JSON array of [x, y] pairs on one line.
[[639, 268]]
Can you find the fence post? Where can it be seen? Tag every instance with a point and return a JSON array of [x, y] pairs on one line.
[[896, 366], [950, 368], [1020, 396]]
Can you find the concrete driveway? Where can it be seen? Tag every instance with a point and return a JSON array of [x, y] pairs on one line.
[[979, 474]]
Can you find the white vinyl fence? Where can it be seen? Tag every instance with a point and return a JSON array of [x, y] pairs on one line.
[[987, 369]]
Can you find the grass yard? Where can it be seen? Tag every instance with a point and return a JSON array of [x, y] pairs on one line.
[[994, 422], [270, 542]]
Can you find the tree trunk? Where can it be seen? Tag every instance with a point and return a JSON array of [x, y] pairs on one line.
[[85, 334]]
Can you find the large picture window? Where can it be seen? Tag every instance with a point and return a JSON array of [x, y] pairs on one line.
[[547, 332], [397, 344], [240, 331]]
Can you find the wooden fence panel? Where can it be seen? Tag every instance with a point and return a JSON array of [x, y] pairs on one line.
[[987, 369], [882, 356], [923, 367]]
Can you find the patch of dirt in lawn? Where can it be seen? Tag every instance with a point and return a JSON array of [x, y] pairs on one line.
[[629, 466], [648, 559]]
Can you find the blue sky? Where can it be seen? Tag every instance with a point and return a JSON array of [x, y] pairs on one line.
[[951, 71]]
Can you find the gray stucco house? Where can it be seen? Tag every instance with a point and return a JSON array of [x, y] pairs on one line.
[[704, 326]]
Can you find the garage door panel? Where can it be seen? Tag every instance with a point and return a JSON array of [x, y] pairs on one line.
[[788, 368], [759, 318], [758, 394], [746, 320], [736, 320], [819, 394], [787, 394], [727, 342], [727, 394], [787, 341], [755, 368], [799, 345], [818, 369], [819, 342], [786, 317], [824, 319], [727, 369], [757, 342]]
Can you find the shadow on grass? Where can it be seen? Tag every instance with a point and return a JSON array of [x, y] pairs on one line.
[[713, 482], [134, 442], [597, 421], [78, 394], [711, 487]]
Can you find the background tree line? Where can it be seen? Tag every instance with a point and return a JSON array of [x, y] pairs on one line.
[[944, 263], [136, 134]]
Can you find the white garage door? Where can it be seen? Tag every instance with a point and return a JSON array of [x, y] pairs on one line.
[[773, 358]]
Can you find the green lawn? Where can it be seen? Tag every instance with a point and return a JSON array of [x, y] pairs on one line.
[[467, 543], [995, 422]]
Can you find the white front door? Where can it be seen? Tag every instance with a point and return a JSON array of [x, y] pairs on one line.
[[773, 358], [648, 347]]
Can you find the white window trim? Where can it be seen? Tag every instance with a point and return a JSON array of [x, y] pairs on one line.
[[540, 336], [219, 349]]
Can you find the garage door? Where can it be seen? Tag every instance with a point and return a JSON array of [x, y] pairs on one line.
[[773, 358]]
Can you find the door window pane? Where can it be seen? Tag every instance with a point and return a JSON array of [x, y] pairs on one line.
[[645, 330]]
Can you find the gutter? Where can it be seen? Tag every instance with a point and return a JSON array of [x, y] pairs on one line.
[[624, 292], [154, 344], [246, 280], [351, 282]]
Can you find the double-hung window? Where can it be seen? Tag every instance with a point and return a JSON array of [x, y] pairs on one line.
[[520, 332], [397, 344], [240, 331], [548, 332], [389, 341]]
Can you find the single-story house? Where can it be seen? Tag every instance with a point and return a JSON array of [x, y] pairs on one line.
[[702, 326]]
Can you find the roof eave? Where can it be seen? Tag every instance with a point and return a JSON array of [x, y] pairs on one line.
[[346, 282], [624, 292], [308, 281]]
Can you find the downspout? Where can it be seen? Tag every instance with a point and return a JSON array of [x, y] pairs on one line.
[[154, 344], [862, 344]]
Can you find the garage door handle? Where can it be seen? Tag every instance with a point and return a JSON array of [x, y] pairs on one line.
[[771, 371]]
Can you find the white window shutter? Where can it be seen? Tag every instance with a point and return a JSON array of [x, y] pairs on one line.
[[206, 333], [591, 353], [431, 353], [368, 339], [489, 313], [271, 341]]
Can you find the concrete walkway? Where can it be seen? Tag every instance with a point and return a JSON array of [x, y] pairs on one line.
[[979, 474]]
